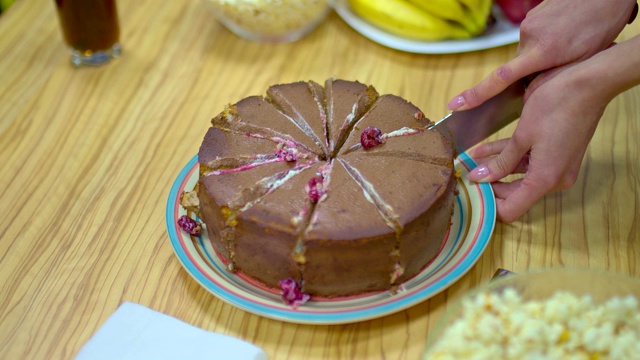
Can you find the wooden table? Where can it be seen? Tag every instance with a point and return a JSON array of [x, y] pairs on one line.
[[88, 157]]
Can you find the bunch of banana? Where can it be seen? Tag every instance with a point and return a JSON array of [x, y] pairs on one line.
[[5, 4], [430, 20]]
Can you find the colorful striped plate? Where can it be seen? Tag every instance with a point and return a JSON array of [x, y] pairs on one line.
[[472, 226]]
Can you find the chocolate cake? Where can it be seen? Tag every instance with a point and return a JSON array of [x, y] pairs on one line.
[[337, 187]]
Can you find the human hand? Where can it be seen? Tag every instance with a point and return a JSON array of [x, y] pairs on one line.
[[554, 33], [559, 118]]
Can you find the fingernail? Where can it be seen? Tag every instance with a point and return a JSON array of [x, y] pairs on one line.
[[479, 174], [456, 103]]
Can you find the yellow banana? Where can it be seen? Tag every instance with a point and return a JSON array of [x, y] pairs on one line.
[[451, 10], [404, 19], [480, 10], [474, 5]]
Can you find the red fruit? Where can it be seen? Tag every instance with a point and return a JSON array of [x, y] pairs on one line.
[[370, 137], [516, 10], [291, 293], [286, 154], [315, 189], [189, 225]]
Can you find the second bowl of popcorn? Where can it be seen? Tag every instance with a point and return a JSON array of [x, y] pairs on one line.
[[549, 314], [271, 20]]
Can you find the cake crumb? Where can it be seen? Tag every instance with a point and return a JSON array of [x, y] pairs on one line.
[[229, 113], [190, 202], [397, 272], [229, 216]]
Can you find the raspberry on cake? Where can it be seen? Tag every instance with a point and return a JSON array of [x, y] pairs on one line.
[[335, 188]]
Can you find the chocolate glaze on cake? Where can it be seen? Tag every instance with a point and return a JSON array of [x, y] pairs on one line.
[[287, 190]]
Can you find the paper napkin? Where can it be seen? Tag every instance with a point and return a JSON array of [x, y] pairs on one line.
[[137, 332]]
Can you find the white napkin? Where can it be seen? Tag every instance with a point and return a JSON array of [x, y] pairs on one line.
[[136, 332]]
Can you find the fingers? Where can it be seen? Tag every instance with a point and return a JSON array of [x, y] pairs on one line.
[[509, 157], [488, 149], [526, 63], [542, 78], [521, 168], [484, 153], [515, 198], [502, 190], [497, 81]]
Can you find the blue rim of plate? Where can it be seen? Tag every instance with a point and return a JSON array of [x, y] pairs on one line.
[[499, 34], [472, 226]]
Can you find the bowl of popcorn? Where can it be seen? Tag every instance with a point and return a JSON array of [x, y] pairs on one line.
[[550, 314], [271, 20]]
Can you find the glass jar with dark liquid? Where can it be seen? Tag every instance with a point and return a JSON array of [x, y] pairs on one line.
[[90, 29]]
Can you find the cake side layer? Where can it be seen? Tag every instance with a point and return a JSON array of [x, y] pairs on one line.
[[345, 214], [335, 268], [405, 185], [422, 238], [268, 233], [261, 253], [339, 268], [406, 242], [347, 245], [215, 223], [226, 194]]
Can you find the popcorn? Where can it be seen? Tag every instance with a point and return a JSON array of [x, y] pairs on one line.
[[565, 326], [271, 17]]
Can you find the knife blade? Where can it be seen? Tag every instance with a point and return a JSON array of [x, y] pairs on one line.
[[469, 127]]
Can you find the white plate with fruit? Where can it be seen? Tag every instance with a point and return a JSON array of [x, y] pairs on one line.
[[401, 25]]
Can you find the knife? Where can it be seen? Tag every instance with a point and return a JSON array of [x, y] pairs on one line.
[[467, 128]]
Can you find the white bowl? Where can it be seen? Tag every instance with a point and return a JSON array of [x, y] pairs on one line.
[[271, 20]]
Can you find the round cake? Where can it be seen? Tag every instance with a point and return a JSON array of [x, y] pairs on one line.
[[335, 187]]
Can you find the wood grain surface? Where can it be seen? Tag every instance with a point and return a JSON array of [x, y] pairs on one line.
[[87, 158]]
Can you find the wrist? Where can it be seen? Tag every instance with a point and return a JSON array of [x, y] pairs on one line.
[[614, 70]]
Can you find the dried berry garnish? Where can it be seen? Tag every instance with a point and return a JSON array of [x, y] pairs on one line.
[[315, 189], [292, 294], [286, 153], [370, 137], [189, 225]]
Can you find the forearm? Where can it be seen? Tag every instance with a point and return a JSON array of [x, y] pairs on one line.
[[615, 69]]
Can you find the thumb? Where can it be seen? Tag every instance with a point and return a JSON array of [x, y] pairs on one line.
[[501, 165]]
